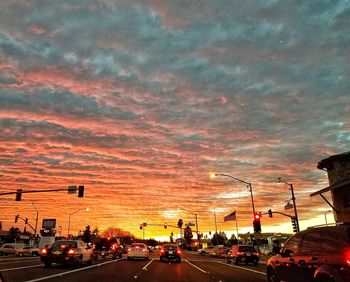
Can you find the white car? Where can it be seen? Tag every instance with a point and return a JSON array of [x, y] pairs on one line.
[[28, 251], [138, 250], [205, 251]]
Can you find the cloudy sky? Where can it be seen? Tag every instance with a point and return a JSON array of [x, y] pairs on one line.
[[139, 101]]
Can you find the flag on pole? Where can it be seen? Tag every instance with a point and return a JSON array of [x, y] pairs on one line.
[[231, 216]]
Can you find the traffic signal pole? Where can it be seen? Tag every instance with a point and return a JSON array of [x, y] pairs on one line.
[[19, 192]]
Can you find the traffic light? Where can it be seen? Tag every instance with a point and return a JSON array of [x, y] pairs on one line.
[[294, 224], [180, 223], [270, 212], [81, 191], [257, 223], [26, 221], [141, 226], [165, 226], [18, 195], [16, 218]]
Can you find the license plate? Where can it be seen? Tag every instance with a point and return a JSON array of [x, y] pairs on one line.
[[248, 254], [170, 252], [56, 252]]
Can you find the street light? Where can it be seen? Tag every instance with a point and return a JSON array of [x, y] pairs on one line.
[[279, 180], [196, 216], [216, 227], [36, 220], [249, 185], [70, 215]]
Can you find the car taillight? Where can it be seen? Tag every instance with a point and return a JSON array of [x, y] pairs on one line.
[[144, 250], [71, 252], [129, 250], [162, 251], [256, 254], [43, 252], [239, 253], [178, 252], [347, 257]]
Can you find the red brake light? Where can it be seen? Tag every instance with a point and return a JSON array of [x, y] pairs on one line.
[[162, 251], [44, 252], [129, 250], [239, 253], [179, 252], [71, 252], [347, 257]]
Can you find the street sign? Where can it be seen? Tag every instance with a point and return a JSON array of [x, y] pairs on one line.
[[288, 206], [190, 224], [144, 224]]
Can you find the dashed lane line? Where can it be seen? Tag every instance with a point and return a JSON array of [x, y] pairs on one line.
[[195, 266], [72, 271], [248, 269], [145, 267], [22, 267]]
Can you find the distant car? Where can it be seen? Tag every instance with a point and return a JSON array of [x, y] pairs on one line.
[[28, 251], [10, 249], [219, 251], [315, 254], [138, 250], [243, 253], [116, 250], [205, 251], [67, 252], [170, 252]]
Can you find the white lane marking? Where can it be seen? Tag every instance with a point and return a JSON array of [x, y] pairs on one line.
[[22, 267], [195, 266], [75, 270], [145, 267], [235, 266]]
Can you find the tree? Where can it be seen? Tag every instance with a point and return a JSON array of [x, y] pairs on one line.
[[12, 235], [87, 234], [116, 232]]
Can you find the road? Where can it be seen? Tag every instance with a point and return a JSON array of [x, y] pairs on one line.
[[193, 267]]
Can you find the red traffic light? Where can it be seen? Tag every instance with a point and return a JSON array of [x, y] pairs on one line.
[[257, 215]]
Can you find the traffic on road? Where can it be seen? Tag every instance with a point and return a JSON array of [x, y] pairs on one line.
[[193, 267]]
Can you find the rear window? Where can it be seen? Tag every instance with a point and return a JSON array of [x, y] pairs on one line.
[[334, 241], [250, 249], [137, 245], [64, 244], [169, 246]]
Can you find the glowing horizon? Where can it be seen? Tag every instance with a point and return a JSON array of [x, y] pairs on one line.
[[140, 102]]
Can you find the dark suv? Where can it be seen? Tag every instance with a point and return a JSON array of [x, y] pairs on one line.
[[319, 254]]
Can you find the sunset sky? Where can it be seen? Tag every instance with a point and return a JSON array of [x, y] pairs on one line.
[[139, 101]]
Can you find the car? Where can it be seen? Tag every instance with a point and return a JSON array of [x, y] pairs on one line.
[[243, 253], [116, 250], [170, 252], [138, 250], [219, 251], [10, 249], [28, 251], [204, 251], [74, 252], [315, 254]]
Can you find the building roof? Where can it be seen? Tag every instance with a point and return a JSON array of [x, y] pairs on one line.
[[327, 163]]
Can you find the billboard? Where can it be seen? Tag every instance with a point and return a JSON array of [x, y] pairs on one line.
[[49, 223]]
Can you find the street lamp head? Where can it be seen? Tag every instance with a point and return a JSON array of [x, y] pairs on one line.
[[213, 175], [278, 180], [87, 209]]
